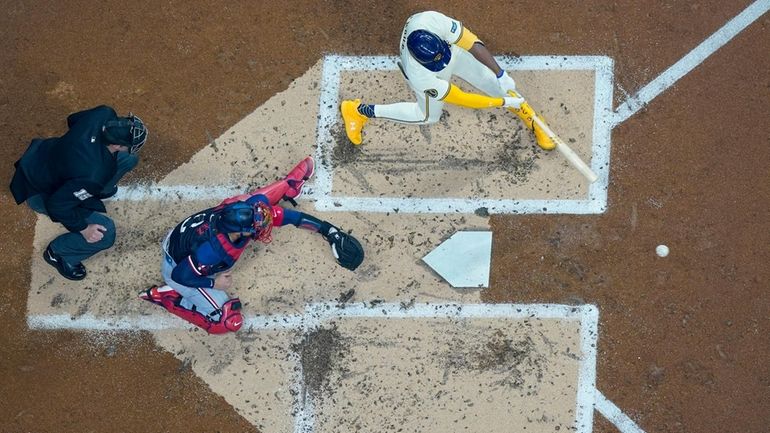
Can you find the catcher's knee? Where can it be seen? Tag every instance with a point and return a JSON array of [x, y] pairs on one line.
[[230, 320]]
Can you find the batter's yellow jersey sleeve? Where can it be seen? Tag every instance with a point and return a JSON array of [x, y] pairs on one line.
[[467, 39], [470, 100]]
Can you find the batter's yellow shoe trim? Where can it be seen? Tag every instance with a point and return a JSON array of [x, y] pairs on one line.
[[543, 140], [354, 121]]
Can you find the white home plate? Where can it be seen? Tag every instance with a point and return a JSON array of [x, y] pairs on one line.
[[463, 259]]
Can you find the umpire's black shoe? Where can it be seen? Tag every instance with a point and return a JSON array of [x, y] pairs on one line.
[[71, 272], [108, 194]]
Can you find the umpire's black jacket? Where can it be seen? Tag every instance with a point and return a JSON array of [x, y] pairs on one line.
[[71, 170]]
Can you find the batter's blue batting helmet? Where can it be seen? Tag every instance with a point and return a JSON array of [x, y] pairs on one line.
[[430, 50]]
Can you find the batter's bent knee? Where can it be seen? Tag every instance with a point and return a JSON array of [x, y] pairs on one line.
[[434, 118]]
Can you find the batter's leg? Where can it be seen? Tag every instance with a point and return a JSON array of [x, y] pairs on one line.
[[424, 111], [476, 74], [355, 115], [482, 78]]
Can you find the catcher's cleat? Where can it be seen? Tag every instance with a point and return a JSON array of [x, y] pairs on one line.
[[543, 140], [290, 187], [297, 177], [354, 121], [157, 295]]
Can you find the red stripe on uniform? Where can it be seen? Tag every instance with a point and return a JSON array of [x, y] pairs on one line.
[[208, 298]]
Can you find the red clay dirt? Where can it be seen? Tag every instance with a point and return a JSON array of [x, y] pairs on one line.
[[683, 342]]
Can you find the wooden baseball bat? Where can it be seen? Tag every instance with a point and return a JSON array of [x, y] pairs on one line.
[[561, 146]]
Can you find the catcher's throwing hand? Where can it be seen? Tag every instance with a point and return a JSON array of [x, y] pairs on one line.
[[346, 249]]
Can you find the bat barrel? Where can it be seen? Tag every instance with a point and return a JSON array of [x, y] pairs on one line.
[[567, 152]]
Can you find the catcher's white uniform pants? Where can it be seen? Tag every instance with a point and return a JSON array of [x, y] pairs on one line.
[[428, 110], [206, 301]]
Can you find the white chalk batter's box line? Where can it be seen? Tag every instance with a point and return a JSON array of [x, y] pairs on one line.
[[317, 314], [596, 203]]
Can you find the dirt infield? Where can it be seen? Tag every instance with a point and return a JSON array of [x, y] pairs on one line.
[[683, 341]]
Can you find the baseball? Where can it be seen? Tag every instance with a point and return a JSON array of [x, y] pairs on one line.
[[661, 250]]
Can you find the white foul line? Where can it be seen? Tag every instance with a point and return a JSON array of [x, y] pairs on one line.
[[313, 315], [615, 415], [691, 60]]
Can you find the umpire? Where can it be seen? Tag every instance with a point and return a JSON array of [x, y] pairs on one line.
[[67, 177]]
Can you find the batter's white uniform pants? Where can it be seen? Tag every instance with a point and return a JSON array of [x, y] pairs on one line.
[[428, 110]]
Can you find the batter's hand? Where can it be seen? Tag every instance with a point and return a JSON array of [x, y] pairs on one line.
[[511, 102], [506, 83], [93, 233], [223, 281]]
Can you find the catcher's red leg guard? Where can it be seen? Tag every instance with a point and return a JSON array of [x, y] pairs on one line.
[[230, 320], [298, 175], [274, 192], [290, 187]]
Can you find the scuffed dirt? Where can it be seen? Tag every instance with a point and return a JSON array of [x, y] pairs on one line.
[[519, 361], [320, 353]]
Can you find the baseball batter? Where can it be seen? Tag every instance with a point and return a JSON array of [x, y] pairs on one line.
[[433, 48], [200, 251]]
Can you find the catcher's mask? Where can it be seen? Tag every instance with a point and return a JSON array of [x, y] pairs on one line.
[[126, 131], [430, 50], [241, 217]]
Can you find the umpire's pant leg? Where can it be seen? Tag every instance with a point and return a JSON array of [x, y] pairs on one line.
[[126, 163], [73, 248], [37, 203]]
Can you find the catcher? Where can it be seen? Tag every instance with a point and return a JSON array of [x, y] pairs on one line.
[[199, 251]]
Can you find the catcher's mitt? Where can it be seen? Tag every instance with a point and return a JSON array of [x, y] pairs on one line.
[[346, 249]]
